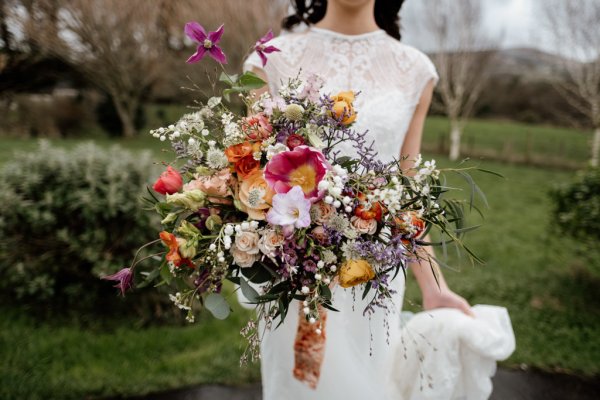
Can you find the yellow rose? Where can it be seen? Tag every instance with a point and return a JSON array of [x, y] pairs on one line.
[[355, 272], [342, 106]]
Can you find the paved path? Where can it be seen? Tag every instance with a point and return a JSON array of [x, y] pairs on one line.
[[508, 385]]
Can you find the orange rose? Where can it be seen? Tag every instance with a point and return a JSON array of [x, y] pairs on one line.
[[246, 166], [343, 108], [238, 151], [355, 272], [255, 195]]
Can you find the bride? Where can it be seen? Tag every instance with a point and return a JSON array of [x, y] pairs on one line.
[[355, 45]]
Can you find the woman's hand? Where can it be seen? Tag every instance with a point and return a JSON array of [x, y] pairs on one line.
[[446, 298]]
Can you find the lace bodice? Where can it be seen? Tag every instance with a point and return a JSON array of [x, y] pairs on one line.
[[389, 75]]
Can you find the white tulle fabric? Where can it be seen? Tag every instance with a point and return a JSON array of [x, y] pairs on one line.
[[365, 357]]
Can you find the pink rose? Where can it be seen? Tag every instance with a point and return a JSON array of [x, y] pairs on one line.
[[169, 182], [215, 186]]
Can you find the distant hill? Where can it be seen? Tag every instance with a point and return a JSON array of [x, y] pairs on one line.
[[528, 63]]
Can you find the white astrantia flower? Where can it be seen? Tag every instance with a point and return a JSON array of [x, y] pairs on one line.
[[216, 158], [328, 257]]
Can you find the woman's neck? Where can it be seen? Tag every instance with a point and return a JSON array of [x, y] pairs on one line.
[[349, 20]]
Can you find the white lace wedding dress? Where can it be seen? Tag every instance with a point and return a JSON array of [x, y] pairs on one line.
[[374, 358]]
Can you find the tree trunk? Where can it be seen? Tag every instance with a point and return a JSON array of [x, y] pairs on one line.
[[595, 147], [126, 111], [455, 134]]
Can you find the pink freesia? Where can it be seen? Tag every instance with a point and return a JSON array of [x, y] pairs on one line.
[[207, 43], [304, 167], [290, 209], [261, 49], [124, 279]]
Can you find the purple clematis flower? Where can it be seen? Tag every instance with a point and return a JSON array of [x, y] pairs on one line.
[[290, 209], [261, 49], [124, 279], [207, 43]]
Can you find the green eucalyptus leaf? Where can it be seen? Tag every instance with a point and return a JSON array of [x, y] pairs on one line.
[[217, 305], [248, 291]]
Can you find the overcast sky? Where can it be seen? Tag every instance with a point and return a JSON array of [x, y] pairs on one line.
[[514, 20]]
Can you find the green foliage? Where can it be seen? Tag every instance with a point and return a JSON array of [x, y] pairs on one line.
[[67, 218]]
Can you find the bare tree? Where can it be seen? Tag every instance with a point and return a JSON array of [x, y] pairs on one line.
[[112, 42], [573, 27], [462, 55]]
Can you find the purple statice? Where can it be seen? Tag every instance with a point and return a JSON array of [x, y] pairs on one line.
[[391, 254]]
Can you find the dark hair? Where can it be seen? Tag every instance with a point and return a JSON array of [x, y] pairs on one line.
[[312, 11]]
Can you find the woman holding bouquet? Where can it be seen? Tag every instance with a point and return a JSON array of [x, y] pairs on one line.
[[355, 45]]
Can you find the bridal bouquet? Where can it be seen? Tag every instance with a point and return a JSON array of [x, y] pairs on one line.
[[286, 202]]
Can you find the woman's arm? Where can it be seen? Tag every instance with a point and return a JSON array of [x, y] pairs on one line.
[[434, 289]]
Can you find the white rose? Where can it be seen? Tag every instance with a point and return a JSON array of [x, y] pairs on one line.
[[241, 258], [269, 241], [368, 226], [247, 242]]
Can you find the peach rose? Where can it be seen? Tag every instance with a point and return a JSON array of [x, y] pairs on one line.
[[342, 107], [269, 241], [238, 151], [255, 195], [355, 272], [319, 234], [215, 186], [257, 127], [368, 226], [321, 212], [247, 242], [241, 258], [246, 166]]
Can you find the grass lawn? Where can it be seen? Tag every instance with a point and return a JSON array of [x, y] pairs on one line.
[[551, 299]]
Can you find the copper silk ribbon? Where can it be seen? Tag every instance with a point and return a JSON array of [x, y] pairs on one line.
[[309, 348]]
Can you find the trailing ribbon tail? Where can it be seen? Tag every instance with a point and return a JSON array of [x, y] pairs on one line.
[[309, 348]]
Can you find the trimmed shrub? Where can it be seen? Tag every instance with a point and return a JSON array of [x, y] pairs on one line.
[[576, 212], [68, 218]]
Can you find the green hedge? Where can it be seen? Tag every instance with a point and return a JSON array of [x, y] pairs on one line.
[[68, 218]]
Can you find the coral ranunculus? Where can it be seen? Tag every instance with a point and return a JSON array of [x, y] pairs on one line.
[[169, 182], [343, 108], [255, 195], [367, 210], [257, 127], [355, 272], [304, 166], [408, 224]]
